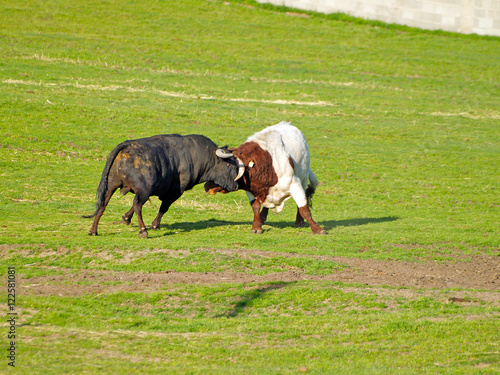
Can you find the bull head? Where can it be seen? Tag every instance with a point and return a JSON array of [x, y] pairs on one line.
[[224, 153]]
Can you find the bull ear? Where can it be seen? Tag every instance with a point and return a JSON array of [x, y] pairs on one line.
[[223, 153]]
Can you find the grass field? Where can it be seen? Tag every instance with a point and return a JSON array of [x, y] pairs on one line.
[[403, 127]]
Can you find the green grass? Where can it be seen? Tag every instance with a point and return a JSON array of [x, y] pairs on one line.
[[403, 127], [273, 328]]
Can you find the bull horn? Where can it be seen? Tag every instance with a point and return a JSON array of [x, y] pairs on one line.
[[223, 154], [241, 169]]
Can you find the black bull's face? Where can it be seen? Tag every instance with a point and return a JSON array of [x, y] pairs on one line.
[[225, 176], [222, 184]]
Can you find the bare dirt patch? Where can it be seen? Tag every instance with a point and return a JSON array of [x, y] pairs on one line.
[[480, 272]]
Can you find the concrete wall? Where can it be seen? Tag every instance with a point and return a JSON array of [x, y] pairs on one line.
[[464, 16]]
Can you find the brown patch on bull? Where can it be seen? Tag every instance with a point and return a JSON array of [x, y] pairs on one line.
[[261, 176]]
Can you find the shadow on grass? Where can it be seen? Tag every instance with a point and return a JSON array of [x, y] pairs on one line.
[[250, 296], [331, 224], [188, 226], [327, 225], [355, 222]]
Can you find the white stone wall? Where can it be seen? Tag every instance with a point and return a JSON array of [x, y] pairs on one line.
[[464, 16]]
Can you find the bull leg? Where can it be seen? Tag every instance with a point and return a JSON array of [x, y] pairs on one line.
[[127, 217], [299, 196], [257, 222], [165, 205], [305, 212], [299, 220], [93, 229], [263, 214], [138, 203]]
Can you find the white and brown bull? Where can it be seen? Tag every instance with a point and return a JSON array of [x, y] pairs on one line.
[[274, 165]]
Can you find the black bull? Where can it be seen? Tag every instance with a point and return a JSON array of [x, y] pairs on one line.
[[164, 166]]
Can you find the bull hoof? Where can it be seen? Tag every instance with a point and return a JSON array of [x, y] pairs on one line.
[[321, 232], [299, 224], [257, 231], [126, 220], [92, 233], [143, 233], [155, 227]]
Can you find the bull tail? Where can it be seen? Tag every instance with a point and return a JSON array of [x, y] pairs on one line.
[[311, 188], [103, 184]]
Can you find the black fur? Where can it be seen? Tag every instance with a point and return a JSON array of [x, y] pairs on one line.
[[164, 166]]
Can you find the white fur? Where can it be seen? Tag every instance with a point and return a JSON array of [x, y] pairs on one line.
[[283, 141]]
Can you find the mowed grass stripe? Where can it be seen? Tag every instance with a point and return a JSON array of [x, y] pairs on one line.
[[494, 115], [182, 95]]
